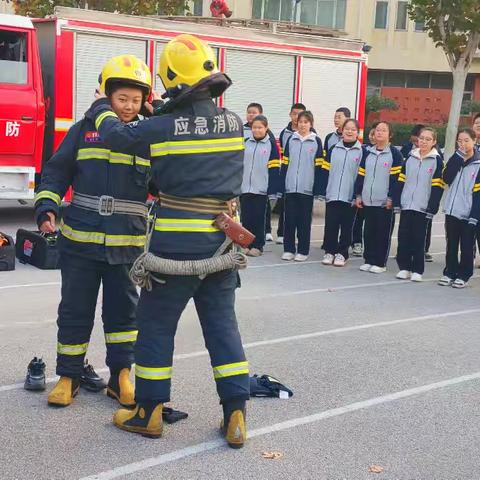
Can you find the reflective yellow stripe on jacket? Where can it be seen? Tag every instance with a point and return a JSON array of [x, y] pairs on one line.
[[197, 146], [153, 373], [48, 195], [184, 225], [101, 238], [80, 349], [230, 370], [111, 157], [121, 337], [103, 116]]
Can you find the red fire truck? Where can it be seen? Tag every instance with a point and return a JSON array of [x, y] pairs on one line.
[[51, 67]]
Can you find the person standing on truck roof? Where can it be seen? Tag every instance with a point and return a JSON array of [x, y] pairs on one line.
[[197, 150], [101, 234]]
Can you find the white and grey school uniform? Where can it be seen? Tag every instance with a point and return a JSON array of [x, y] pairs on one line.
[[377, 178], [300, 174], [337, 184], [330, 141], [462, 214], [420, 189], [261, 180]]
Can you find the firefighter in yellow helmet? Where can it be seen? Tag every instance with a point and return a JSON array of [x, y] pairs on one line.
[[196, 150], [101, 234]]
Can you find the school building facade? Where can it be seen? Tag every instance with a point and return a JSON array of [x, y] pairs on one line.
[[404, 63]]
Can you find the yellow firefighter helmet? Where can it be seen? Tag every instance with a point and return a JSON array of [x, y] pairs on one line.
[[126, 69], [186, 60]]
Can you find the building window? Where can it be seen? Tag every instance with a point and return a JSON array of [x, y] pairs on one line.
[[324, 13], [197, 8], [418, 80], [381, 15], [402, 16], [394, 79], [420, 26], [443, 81]]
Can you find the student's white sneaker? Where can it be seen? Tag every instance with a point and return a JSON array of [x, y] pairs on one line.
[[365, 267], [404, 275], [357, 250], [459, 283], [445, 281], [300, 258], [339, 261], [279, 240], [377, 269], [328, 259], [417, 277], [288, 256], [269, 237]]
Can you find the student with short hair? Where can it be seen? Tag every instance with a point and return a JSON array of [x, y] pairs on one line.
[[377, 178], [261, 177], [420, 189], [462, 209], [341, 114], [301, 166], [339, 173]]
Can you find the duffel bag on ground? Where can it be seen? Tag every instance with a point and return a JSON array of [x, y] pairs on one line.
[[7, 253], [37, 249]]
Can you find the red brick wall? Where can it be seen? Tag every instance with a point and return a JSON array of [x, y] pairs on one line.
[[418, 105]]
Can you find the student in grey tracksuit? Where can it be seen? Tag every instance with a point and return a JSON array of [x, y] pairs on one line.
[[420, 189], [462, 209], [301, 166], [339, 172], [377, 179], [261, 180]]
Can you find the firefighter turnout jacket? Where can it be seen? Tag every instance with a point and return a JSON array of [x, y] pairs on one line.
[[106, 220], [197, 157]]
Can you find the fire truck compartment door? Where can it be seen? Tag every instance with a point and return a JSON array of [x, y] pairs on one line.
[[91, 53], [262, 77], [326, 86]]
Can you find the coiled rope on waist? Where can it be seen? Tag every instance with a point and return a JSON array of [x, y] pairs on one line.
[[147, 264]]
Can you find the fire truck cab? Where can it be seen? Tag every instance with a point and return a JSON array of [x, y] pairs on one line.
[[22, 109]]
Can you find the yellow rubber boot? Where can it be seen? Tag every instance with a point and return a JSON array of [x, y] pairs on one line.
[[143, 419], [121, 388], [234, 427], [64, 392]]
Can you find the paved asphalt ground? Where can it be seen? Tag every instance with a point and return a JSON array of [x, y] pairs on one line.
[[385, 372]]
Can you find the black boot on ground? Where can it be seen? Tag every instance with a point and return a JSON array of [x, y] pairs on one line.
[[233, 425], [145, 419], [35, 380], [90, 380]]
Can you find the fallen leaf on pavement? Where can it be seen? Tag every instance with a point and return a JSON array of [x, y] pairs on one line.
[[272, 455], [376, 469]]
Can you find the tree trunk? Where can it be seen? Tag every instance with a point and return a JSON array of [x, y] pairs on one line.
[[459, 78]]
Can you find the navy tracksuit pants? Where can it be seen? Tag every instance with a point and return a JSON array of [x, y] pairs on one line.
[[379, 223], [298, 222], [460, 235], [158, 314], [358, 226], [412, 233], [253, 214], [339, 218], [81, 279]]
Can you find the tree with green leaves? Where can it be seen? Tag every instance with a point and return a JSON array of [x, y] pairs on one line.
[[41, 8], [453, 25], [376, 103]]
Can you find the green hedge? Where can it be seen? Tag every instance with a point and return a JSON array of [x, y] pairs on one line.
[[401, 133]]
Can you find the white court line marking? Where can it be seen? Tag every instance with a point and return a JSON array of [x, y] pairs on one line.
[[337, 289], [305, 336], [322, 225], [311, 262], [393, 238], [47, 284], [279, 427]]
